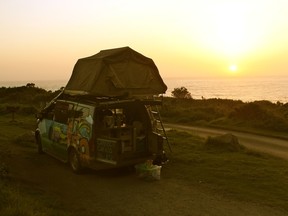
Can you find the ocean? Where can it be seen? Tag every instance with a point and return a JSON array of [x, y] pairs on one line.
[[273, 89], [246, 89]]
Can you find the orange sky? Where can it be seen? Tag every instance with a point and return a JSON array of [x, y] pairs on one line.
[[42, 40]]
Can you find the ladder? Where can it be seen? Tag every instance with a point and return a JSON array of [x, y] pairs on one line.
[[155, 114]]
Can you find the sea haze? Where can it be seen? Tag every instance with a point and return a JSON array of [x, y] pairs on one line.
[[246, 89]]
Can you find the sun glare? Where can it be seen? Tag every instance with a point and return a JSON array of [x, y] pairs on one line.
[[230, 31], [233, 68]]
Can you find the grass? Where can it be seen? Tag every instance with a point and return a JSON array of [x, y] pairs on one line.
[[244, 175], [16, 200], [13, 201], [19, 198]]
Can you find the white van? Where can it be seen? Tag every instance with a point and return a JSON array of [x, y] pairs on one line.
[[100, 133]]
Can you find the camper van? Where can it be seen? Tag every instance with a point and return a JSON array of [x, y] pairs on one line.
[[100, 133], [105, 117]]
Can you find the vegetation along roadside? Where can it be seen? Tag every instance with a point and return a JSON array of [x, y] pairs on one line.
[[239, 174]]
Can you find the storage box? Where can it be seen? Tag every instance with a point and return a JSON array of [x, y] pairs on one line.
[[148, 171]]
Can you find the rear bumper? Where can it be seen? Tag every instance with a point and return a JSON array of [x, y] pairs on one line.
[[99, 164]]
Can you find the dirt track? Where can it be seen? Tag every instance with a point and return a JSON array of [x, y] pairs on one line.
[[119, 192]]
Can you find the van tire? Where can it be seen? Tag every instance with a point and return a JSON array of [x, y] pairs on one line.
[[74, 161], [38, 142]]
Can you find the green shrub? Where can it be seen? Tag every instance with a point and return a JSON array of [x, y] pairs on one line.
[[249, 112], [181, 92], [258, 115]]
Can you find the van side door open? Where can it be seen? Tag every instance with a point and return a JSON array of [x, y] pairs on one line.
[[59, 128]]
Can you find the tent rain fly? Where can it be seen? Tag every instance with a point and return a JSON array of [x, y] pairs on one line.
[[115, 72]]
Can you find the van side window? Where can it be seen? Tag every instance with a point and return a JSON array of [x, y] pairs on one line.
[[81, 112], [61, 112], [84, 113], [48, 112]]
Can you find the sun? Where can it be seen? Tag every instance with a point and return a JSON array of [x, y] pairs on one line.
[[233, 68]]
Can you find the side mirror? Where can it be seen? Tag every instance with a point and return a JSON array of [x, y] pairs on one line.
[[39, 116]]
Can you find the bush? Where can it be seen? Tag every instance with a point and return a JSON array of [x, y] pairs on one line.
[[261, 115], [249, 112], [181, 92]]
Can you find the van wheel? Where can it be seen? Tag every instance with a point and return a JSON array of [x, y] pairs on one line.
[[38, 143], [74, 161]]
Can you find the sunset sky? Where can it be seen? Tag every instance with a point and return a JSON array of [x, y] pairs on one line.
[[42, 40]]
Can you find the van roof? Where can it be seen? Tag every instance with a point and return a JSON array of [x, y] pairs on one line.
[[107, 101]]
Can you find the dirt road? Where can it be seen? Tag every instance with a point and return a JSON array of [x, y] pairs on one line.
[[119, 192], [274, 146]]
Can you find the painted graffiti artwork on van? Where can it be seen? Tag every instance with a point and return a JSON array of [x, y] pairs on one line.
[[58, 133], [78, 129], [79, 133]]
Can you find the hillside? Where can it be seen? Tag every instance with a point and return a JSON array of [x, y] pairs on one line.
[[257, 116]]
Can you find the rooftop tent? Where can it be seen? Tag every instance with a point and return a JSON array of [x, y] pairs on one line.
[[115, 72]]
